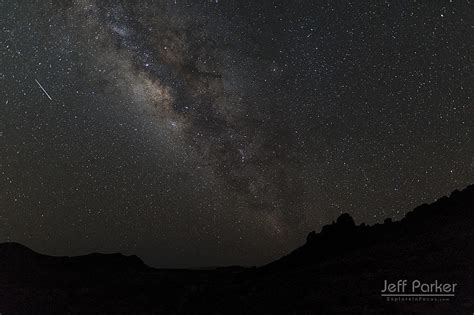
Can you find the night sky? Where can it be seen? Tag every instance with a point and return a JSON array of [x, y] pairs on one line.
[[204, 133]]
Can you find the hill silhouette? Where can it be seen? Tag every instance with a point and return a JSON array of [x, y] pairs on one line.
[[341, 270]]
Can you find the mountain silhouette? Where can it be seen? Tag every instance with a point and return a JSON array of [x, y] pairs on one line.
[[340, 270], [17, 257]]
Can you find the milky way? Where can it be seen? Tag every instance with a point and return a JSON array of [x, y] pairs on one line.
[[177, 73], [202, 133]]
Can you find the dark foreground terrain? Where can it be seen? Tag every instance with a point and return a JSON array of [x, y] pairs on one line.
[[340, 270]]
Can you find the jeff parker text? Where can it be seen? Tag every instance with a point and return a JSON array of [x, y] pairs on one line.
[[417, 287]]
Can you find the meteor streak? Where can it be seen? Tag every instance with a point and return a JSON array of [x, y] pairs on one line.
[[41, 87]]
